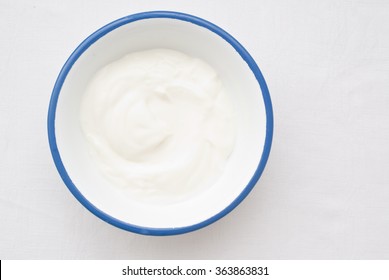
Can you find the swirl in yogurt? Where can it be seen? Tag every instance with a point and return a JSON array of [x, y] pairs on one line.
[[159, 123]]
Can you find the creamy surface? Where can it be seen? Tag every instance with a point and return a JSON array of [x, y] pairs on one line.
[[158, 124]]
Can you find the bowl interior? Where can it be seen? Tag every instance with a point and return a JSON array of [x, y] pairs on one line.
[[240, 84]]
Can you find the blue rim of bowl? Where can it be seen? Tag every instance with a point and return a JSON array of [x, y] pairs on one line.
[[96, 36]]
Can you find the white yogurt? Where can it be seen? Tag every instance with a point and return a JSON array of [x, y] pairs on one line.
[[158, 124]]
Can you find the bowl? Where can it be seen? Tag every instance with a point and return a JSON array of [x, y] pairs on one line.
[[242, 80]]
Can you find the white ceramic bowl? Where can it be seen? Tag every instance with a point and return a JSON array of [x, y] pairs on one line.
[[243, 81]]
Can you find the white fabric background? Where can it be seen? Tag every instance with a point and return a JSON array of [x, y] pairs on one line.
[[325, 191]]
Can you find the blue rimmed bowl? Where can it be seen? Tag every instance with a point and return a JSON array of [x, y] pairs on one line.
[[242, 81]]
